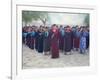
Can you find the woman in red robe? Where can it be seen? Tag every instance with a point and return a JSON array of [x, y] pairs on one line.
[[54, 42]]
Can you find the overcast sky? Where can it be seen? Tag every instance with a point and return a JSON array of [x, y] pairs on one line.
[[63, 19], [67, 18]]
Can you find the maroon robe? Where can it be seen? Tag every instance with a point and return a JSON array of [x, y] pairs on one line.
[[77, 39], [76, 42], [54, 44]]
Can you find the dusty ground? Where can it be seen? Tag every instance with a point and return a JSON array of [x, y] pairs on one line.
[[33, 59]]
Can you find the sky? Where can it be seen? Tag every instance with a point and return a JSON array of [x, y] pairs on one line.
[[67, 18], [63, 19]]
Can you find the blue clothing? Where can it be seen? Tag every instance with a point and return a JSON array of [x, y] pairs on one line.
[[46, 34], [62, 31], [83, 41], [77, 34], [33, 34], [85, 34], [24, 34]]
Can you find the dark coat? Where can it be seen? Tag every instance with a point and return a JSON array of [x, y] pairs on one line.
[[32, 40], [68, 41], [61, 41], [76, 39], [46, 41], [28, 40], [40, 42], [36, 40]]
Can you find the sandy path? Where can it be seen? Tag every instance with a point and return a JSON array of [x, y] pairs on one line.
[[33, 59]]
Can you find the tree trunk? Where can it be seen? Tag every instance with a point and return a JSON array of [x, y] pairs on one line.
[[44, 22]]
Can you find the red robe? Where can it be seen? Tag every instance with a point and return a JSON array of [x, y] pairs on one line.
[[76, 42], [55, 44]]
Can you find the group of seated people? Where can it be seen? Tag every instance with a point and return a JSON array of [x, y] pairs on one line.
[[55, 39]]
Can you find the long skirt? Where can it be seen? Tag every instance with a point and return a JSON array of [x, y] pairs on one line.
[[36, 43], [40, 45], [32, 43], [28, 40], [82, 44], [67, 45], [54, 49], [76, 42], [46, 46], [24, 37]]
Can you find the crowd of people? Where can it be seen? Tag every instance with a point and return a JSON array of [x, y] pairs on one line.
[[55, 39]]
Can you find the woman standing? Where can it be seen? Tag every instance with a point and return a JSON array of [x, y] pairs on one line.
[[36, 38], [40, 40], [32, 39], [28, 37], [54, 42], [67, 41], [82, 41], [61, 38], [46, 41], [24, 34], [76, 39]]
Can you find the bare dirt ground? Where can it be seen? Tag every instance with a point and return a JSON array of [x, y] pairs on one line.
[[33, 59]]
